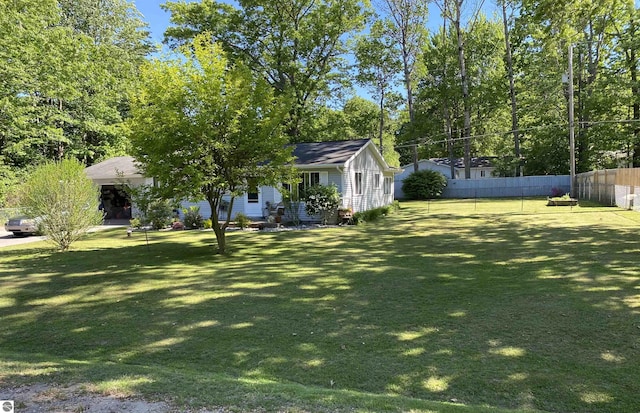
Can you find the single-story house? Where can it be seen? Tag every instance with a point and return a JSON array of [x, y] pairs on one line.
[[481, 167], [357, 168]]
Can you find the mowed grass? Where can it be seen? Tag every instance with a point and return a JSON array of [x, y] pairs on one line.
[[447, 306]]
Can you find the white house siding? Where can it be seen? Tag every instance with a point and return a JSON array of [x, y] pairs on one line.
[[270, 194], [205, 209], [482, 173], [329, 176], [388, 198], [343, 177], [335, 177], [627, 197], [366, 163]]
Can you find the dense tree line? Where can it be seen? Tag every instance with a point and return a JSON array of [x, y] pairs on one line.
[[476, 85], [528, 129], [65, 70]]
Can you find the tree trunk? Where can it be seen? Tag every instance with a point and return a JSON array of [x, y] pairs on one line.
[[381, 125], [221, 238], [584, 119], [445, 102], [407, 84], [512, 89], [585, 93], [447, 131], [465, 94], [218, 229], [635, 91]]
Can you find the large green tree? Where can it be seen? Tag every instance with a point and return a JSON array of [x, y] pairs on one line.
[[440, 103], [408, 28], [65, 68], [206, 127], [601, 34], [297, 46], [408, 20], [378, 68]]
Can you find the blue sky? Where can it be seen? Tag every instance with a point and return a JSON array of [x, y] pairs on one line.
[[158, 19]]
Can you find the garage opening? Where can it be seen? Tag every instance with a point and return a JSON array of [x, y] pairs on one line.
[[115, 202]]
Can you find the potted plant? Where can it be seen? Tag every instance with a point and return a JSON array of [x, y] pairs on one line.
[[345, 212]]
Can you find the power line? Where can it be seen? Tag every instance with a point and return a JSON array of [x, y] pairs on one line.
[[429, 141]]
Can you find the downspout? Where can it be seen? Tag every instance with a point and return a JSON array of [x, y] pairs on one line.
[[341, 172]]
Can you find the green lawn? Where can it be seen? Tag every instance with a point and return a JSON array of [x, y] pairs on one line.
[[445, 306]]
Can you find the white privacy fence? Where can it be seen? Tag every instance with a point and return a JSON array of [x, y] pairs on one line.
[[523, 186], [615, 187]]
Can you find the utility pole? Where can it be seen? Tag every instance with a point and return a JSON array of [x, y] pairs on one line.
[[572, 142]]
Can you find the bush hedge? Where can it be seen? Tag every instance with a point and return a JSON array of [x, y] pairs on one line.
[[424, 184]]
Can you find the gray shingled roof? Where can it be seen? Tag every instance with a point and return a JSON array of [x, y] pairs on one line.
[[476, 162], [114, 168], [326, 153], [307, 154]]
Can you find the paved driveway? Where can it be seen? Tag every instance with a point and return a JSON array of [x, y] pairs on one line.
[[7, 239]]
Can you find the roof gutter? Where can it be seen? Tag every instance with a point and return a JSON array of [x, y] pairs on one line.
[[316, 166]]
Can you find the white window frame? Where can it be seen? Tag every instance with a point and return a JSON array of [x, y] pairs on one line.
[[358, 181], [387, 185], [307, 181], [253, 199], [376, 180]]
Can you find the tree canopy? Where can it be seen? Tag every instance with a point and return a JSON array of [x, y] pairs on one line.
[[67, 67], [65, 70], [297, 46]]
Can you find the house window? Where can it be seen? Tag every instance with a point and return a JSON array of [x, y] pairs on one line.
[[376, 181], [482, 175], [358, 183], [307, 180], [310, 179], [252, 193], [387, 185]]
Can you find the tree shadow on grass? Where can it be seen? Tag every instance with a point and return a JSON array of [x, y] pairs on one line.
[[496, 310]]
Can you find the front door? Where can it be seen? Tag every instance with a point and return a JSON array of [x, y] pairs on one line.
[[253, 201]]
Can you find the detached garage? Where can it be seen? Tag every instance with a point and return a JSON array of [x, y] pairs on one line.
[[110, 176]]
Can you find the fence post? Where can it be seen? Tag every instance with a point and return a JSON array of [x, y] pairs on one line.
[[599, 185], [612, 190]]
